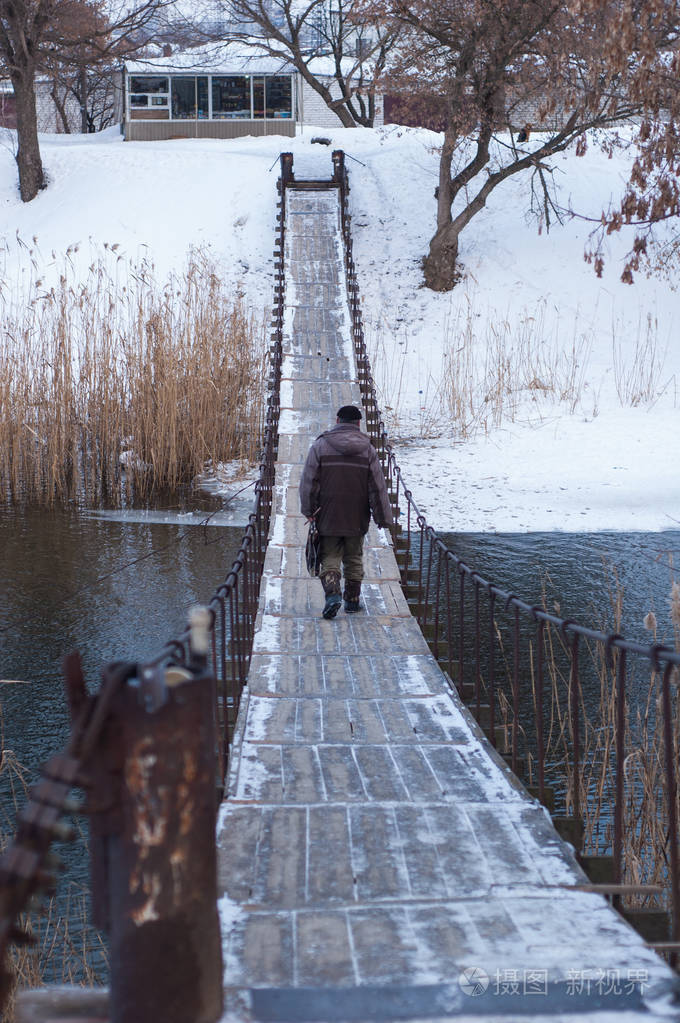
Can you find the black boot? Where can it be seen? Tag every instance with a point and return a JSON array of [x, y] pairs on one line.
[[331, 587], [352, 591]]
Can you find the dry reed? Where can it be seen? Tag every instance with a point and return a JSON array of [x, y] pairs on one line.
[[646, 802], [65, 948], [116, 389], [592, 782]]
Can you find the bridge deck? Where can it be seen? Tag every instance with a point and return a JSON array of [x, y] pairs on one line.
[[371, 847]]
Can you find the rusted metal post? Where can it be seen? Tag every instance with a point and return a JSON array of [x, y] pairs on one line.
[[492, 667], [478, 663], [574, 703], [515, 688], [338, 158], [287, 175], [620, 753], [540, 737], [437, 606], [154, 815], [461, 627]]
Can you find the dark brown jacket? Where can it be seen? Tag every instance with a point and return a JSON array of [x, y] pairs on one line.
[[343, 479]]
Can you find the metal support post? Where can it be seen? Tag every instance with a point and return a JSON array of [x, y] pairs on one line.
[[286, 168], [153, 800]]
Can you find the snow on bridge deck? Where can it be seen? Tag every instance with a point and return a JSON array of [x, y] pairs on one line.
[[378, 862]]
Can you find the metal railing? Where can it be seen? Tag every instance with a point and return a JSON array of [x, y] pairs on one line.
[[499, 651]]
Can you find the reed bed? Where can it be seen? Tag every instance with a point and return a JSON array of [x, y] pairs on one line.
[[515, 370], [646, 852], [116, 387], [65, 950]]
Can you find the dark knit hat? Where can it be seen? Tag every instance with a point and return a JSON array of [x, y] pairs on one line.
[[349, 414]]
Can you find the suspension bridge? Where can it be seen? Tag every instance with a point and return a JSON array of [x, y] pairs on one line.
[[390, 866], [376, 857]]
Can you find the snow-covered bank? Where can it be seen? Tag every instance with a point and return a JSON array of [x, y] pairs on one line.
[[616, 472], [544, 459], [582, 464]]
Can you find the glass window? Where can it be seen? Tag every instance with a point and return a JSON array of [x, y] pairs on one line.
[[148, 91], [279, 96], [203, 107], [148, 83], [258, 97], [183, 98], [231, 96]]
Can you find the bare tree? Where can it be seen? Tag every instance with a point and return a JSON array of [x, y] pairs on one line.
[[78, 49], [355, 45], [483, 60], [22, 26], [32, 33], [94, 89]]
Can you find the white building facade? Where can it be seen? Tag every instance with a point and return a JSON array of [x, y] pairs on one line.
[[221, 91]]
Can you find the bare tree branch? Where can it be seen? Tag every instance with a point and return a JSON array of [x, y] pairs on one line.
[[582, 63], [313, 36]]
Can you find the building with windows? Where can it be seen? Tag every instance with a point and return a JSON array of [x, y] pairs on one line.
[[219, 91]]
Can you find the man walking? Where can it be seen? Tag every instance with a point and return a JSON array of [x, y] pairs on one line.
[[342, 484]]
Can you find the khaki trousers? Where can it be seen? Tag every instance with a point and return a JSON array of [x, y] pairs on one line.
[[346, 551]]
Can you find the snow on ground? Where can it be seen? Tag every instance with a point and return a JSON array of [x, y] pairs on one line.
[[540, 349], [587, 464]]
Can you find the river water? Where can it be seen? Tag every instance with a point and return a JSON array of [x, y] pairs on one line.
[[606, 581], [580, 573], [118, 586], [112, 588]]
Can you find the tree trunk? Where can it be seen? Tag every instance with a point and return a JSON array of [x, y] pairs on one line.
[[61, 109], [444, 190], [439, 265], [339, 108], [82, 89], [31, 176]]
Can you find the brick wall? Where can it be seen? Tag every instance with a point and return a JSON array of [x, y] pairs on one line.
[[48, 118], [530, 111], [315, 112]]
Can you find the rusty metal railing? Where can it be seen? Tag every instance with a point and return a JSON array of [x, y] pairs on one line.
[[519, 667]]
